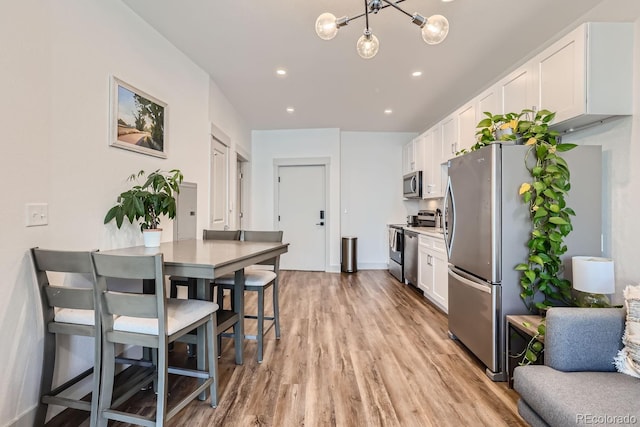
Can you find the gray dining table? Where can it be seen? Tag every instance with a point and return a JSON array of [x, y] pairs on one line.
[[205, 260]]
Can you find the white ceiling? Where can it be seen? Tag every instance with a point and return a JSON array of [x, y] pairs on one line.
[[240, 43]]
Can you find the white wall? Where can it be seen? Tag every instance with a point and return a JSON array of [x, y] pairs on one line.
[[56, 61], [371, 191]]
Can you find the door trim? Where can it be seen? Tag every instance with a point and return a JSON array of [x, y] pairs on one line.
[[307, 161]]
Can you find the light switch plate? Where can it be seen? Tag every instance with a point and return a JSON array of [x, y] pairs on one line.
[[37, 214]]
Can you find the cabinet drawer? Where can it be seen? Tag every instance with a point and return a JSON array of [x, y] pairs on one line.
[[438, 245], [425, 241]]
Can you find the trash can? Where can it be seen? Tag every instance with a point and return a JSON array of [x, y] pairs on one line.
[[349, 258]]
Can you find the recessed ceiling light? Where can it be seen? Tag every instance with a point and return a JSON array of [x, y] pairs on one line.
[[416, 73], [388, 111], [281, 72], [290, 110]]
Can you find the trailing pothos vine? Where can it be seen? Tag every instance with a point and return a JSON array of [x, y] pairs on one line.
[[541, 281], [545, 194]]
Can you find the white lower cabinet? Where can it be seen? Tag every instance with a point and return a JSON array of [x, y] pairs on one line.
[[432, 270]]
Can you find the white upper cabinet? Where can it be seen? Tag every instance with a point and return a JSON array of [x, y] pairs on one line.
[[432, 175], [412, 153], [516, 91], [449, 127], [587, 75], [488, 102], [467, 120]]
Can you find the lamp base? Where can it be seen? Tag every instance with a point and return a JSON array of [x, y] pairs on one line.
[[585, 299]]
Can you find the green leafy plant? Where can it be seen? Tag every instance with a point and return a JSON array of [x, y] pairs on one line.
[[534, 348], [550, 216], [541, 274], [148, 201]]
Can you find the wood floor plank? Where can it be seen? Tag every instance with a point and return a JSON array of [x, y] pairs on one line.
[[356, 349]]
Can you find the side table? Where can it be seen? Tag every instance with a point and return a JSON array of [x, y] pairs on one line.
[[520, 330]]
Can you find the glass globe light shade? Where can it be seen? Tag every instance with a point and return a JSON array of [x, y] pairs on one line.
[[367, 45], [435, 30], [326, 27]]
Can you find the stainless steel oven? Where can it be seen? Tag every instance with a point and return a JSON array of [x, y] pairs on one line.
[[396, 249]]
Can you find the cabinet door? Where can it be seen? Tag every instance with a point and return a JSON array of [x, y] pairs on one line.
[[425, 270], [561, 76], [427, 163], [449, 137], [516, 90], [440, 284], [488, 102], [407, 158], [467, 126]]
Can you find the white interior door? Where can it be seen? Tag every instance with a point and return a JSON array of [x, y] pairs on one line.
[[302, 216], [219, 208]]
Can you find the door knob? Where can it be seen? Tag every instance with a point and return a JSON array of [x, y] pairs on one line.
[[320, 223]]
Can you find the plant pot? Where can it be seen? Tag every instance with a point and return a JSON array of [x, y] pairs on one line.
[[503, 134], [152, 237]]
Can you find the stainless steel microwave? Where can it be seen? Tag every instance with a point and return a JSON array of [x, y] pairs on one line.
[[412, 185]]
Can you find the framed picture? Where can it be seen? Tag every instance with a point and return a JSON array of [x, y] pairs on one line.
[[138, 120]]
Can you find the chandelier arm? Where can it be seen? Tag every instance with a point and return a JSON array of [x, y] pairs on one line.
[[366, 9], [366, 16], [395, 6]]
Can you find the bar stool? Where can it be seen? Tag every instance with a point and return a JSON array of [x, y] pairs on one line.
[[154, 321], [257, 280]]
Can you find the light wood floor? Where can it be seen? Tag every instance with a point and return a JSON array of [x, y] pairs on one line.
[[356, 350]]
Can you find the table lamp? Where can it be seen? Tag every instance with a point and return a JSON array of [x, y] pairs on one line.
[[593, 278]]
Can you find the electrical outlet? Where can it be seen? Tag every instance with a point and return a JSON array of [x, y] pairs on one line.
[[37, 214]]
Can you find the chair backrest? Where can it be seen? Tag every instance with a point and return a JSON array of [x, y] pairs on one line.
[[265, 236], [220, 234], [134, 304], [262, 236], [52, 261]]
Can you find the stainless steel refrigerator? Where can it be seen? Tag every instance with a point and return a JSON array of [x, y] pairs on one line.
[[487, 227]]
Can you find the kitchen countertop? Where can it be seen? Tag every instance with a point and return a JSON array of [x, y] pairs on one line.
[[429, 231]]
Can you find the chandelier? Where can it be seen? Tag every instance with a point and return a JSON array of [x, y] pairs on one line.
[[434, 29]]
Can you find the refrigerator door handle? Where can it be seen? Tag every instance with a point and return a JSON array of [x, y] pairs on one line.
[[471, 283], [449, 217]]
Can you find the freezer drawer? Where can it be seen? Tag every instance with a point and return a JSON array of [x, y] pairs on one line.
[[474, 313]]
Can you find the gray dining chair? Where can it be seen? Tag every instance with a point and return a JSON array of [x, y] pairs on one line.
[[66, 310], [258, 279], [153, 321]]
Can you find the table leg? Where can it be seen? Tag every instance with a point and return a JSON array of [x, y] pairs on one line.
[[238, 303]]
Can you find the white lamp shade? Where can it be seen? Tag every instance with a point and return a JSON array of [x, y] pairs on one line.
[[593, 275]]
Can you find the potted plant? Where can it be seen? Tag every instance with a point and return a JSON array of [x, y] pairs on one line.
[[147, 202]]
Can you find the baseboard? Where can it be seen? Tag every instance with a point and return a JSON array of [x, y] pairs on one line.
[[361, 266]]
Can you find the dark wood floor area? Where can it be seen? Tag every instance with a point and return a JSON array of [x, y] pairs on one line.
[[356, 350]]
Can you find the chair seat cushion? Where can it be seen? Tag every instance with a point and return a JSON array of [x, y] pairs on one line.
[[75, 316], [252, 277], [180, 314]]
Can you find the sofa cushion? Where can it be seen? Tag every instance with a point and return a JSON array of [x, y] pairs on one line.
[[628, 359], [570, 398]]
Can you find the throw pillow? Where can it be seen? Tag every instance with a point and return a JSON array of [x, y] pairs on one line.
[[628, 359]]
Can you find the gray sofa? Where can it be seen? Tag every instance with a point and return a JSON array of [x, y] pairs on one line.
[[578, 383]]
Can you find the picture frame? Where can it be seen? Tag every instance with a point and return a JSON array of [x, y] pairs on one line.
[[138, 120]]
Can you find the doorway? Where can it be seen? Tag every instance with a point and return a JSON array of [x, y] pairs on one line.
[[301, 200]]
